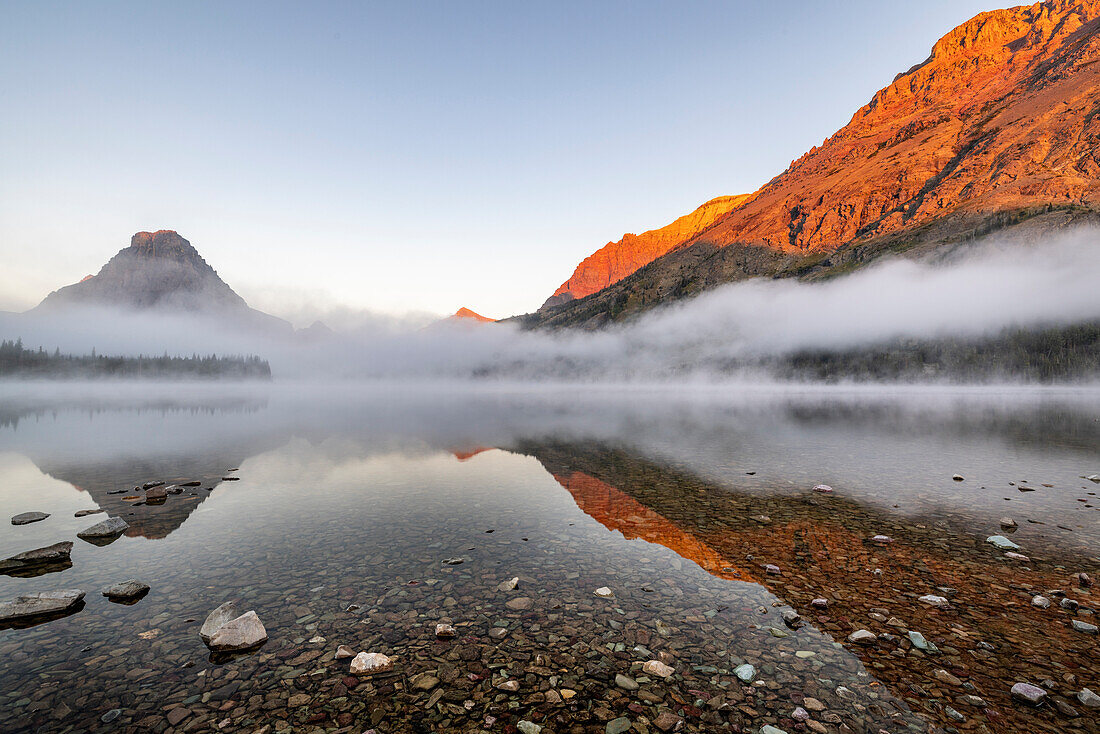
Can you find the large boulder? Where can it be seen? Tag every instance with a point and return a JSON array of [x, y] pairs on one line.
[[130, 590], [243, 633], [55, 554], [216, 619], [26, 518], [109, 528], [41, 604], [225, 631]]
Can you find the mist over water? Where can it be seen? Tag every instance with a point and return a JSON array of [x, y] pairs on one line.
[[982, 291]]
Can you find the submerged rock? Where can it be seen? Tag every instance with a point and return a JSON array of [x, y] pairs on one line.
[[1088, 629], [1088, 698], [51, 554], [243, 633], [108, 528], [85, 513], [509, 585], [26, 518], [745, 672], [921, 643], [1029, 693], [657, 668], [604, 593], [369, 663], [40, 604], [126, 590], [1002, 542], [343, 652], [863, 637], [823, 488], [935, 601], [445, 631]]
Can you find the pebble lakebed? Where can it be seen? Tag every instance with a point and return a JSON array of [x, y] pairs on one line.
[[552, 653]]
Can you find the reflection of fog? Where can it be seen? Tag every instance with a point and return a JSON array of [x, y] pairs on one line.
[[893, 449]]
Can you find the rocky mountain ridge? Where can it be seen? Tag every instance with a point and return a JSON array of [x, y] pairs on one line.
[[999, 125]]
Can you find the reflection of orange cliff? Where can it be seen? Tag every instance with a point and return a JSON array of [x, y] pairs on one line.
[[616, 510]]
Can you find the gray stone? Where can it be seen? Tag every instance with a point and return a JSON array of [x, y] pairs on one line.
[[130, 589], [1088, 629], [921, 643], [106, 529], [618, 726], [1088, 698], [40, 604], [1002, 542], [243, 633], [626, 683], [1040, 601], [26, 518], [56, 553], [528, 727], [863, 637], [216, 619], [769, 729], [745, 672], [1029, 693]]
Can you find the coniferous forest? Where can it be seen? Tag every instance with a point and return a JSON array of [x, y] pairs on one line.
[[17, 361]]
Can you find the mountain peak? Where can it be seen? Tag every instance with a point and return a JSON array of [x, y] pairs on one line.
[[159, 270], [465, 313], [998, 124]]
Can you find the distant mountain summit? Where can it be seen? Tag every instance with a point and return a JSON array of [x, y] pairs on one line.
[[159, 271], [465, 313], [998, 126]]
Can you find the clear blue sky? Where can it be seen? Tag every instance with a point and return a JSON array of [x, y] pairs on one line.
[[411, 156]]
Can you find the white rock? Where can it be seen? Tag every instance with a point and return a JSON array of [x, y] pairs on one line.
[[1040, 601], [444, 631], [1002, 542], [863, 637], [343, 652], [935, 601], [243, 633], [823, 488], [509, 585], [217, 618], [604, 593], [368, 663], [656, 667]]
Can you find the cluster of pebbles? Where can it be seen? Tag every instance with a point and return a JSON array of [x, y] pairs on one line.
[[473, 613]]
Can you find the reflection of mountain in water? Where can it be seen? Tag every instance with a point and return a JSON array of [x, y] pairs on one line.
[[823, 546], [100, 479]]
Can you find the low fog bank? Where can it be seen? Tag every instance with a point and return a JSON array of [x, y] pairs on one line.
[[744, 329]]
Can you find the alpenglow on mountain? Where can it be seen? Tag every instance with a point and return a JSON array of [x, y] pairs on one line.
[[999, 126]]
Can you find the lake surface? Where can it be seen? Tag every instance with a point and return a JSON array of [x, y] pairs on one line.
[[364, 516]]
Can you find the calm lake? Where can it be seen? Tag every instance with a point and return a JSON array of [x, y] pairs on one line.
[[365, 516]]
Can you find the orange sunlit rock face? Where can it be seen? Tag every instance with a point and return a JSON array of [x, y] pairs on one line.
[[465, 313], [1001, 116], [616, 260], [616, 510]]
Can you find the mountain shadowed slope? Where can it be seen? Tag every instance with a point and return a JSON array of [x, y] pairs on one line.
[[999, 126], [161, 271]]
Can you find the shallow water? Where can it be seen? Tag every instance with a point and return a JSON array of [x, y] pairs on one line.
[[675, 500]]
